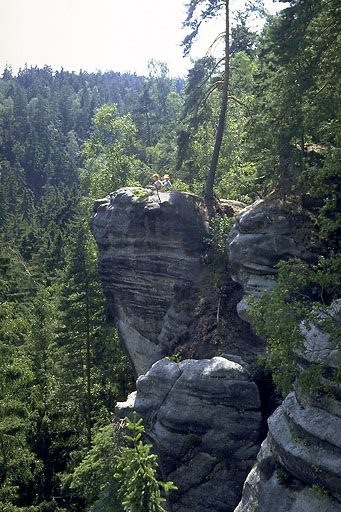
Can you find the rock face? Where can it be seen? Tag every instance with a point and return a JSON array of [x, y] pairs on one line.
[[269, 488], [204, 417], [318, 345], [150, 250], [302, 452], [265, 233]]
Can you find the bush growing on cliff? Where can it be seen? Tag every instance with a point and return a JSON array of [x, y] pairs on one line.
[[303, 294], [219, 230], [216, 243]]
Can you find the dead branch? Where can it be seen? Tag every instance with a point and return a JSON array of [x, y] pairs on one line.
[[241, 103], [211, 89]]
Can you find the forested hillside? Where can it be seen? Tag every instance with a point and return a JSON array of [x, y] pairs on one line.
[[67, 139]]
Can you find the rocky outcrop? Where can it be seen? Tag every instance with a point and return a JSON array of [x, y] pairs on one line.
[[159, 282], [265, 233], [301, 457], [150, 253], [269, 488], [204, 417], [319, 347]]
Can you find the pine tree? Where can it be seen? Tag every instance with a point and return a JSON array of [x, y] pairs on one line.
[[136, 468], [211, 7], [89, 347], [18, 468]]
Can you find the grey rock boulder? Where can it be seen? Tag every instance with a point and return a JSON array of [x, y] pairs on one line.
[[265, 233], [204, 418], [308, 443]]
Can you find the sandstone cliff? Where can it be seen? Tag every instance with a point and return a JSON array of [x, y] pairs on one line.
[[299, 465], [300, 460], [206, 415], [265, 233], [158, 286], [149, 253]]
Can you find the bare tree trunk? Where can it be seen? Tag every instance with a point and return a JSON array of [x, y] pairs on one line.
[[88, 371], [208, 193]]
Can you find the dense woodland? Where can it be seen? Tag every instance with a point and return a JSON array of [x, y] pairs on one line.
[[68, 138]]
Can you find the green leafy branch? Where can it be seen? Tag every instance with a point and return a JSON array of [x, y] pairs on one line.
[[136, 468], [303, 294]]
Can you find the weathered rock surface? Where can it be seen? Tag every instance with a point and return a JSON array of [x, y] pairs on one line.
[[204, 417], [150, 251], [268, 488], [318, 345], [303, 446], [265, 233]]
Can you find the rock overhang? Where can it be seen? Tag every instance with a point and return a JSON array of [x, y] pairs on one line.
[[150, 249]]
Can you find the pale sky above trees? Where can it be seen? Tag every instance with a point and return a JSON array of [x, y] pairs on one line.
[[118, 35]]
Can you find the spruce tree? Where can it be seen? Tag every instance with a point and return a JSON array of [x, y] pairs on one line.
[[136, 467]]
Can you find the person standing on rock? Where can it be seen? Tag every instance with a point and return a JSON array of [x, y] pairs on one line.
[[165, 182], [157, 184]]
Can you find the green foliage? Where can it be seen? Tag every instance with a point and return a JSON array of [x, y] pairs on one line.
[[193, 440], [141, 192], [325, 185], [19, 466], [197, 12], [321, 491], [136, 468], [277, 315], [180, 186], [89, 346], [296, 91], [176, 358], [282, 476], [109, 153], [236, 173], [243, 39], [218, 230], [92, 479]]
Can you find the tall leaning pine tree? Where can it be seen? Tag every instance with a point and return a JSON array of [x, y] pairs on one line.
[[211, 8]]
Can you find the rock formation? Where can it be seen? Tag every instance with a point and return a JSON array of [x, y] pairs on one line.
[[203, 414], [269, 488], [265, 233], [300, 461], [150, 250], [157, 282], [204, 417]]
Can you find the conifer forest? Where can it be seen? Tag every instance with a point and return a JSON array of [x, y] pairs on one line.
[[67, 139]]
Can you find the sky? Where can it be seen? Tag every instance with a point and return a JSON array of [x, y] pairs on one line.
[[99, 35]]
